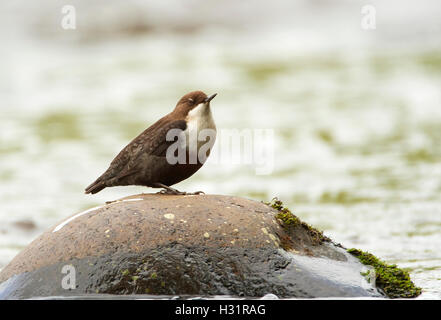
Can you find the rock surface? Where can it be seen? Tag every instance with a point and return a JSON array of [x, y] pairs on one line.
[[182, 245]]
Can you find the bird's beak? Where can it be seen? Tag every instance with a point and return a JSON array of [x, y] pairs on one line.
[[208, 99]]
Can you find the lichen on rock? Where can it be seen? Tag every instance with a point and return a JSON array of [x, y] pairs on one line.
[[395, 282], [289, 220]]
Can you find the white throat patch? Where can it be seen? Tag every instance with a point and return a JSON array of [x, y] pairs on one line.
[[198, 119]]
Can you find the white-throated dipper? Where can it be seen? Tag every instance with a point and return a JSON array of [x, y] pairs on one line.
[[145, 160]]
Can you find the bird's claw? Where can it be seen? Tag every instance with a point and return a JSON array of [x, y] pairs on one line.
[[172, 192], [177, 192]]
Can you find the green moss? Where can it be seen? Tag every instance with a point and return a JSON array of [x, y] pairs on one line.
[[284, 214], [125, 272], [289, 220], [395, 282]]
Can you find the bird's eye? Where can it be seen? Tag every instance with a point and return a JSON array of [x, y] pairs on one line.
[[191, 100]]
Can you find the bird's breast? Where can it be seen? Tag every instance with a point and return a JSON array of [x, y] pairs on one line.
[[201, 130]]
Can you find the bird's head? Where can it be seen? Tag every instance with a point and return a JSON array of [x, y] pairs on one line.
[[195, 101]]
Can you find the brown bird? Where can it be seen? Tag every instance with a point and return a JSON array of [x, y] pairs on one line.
[[150, 159]]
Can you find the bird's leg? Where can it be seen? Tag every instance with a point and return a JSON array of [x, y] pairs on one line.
[[170, 190]]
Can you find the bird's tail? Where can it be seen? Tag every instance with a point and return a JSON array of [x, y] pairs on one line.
[[96, 187]]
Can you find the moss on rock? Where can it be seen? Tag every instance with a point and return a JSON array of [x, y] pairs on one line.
[[289, 220], [395, 282]]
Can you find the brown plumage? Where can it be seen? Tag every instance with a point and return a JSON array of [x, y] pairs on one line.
[[143, 161]]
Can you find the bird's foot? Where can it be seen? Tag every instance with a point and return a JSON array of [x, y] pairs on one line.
[[172, 191], [182, 193]]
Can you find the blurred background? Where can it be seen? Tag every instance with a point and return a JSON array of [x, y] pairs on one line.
[[356, 113]]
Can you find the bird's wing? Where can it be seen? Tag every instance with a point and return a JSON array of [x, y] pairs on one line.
[[152, 141]]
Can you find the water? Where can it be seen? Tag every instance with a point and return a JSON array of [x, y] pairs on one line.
[[356, 114]]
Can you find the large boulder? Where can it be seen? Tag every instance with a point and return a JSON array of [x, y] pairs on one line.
[[184, 245]]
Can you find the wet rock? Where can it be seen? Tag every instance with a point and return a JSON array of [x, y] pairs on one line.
[[184, 245]]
